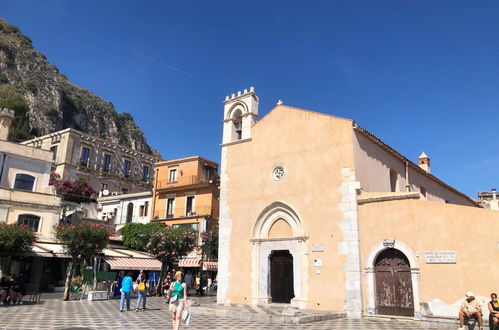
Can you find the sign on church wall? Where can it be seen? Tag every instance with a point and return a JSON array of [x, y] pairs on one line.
[[440, 257]]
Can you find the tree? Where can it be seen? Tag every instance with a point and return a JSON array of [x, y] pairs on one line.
[[170, 244], [136, 235], [210, 244], [82, 241], [15, 240]]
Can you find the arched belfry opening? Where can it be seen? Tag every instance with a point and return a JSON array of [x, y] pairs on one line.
[[278, 266]]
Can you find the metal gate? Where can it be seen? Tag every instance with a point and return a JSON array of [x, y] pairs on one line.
[[393, 284], [281, 276]]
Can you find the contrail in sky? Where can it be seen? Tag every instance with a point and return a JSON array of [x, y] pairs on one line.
[[170, 67]]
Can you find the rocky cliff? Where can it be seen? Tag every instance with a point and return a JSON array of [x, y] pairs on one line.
[[45, 101]]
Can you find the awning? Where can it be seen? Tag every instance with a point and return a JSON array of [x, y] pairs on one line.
[[196, 262], [133, 263], [48, 249], [210, 265], [189, 262]]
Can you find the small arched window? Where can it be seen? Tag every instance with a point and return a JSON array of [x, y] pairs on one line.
[[29, 220], [24, 182], [129, 212]]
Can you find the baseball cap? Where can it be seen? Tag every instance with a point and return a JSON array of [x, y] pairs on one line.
[[469, 294]]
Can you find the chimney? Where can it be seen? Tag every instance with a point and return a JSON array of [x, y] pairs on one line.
[[494, 194], [424, 162], [6, 117]]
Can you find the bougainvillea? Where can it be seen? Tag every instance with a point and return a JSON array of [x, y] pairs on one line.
[[75, 191]]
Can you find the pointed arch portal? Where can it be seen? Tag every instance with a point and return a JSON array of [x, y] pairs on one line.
[[278, 246]]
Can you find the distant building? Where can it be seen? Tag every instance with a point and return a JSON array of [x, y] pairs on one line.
[[25, 195], [186, 193], [106, 166], [122, 209], [319, 213], [488, 199]]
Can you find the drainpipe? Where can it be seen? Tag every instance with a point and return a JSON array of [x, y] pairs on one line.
[[407, 185]]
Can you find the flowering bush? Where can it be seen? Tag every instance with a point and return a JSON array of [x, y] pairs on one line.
[[169, 243], [136, 235], [83, 240], [74, 191], [15, 239]]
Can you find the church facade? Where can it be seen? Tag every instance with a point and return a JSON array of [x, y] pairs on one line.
[[317, 212]]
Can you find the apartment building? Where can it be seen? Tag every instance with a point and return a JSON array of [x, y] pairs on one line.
[[109, 168]]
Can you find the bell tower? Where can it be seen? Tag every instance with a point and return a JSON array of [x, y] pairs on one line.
[[6, 118], [240, 113]]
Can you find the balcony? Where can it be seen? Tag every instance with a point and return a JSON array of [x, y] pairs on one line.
[[84, 162], [183, 181], [184, 213]]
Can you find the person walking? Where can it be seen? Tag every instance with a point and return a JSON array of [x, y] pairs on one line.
[[177, 296], [142, 293], [126, 288], [117, 289]]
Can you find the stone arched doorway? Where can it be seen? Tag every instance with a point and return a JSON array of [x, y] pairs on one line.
[[394, 295], [400, 261], [278, 269]]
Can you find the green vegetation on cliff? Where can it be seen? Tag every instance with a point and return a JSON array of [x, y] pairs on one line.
[[45, 101]]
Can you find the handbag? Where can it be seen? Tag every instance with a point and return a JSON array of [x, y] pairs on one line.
[[186, 316]]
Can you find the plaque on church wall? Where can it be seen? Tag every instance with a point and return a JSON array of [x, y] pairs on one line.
[[317, 248], [440, 257]]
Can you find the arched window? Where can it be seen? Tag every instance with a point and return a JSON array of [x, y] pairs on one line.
[[238, 124], [24, 182], [29, 220], [129, 212], [393, 180]]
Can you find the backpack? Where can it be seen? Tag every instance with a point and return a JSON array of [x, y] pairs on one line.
[[142, 286]]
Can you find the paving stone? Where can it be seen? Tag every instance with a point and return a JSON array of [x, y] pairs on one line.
[[81, 315]]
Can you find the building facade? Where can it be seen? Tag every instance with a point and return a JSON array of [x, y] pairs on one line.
[[317, 212], [121, 209], [186, 193], [25, 195], [107, 167]]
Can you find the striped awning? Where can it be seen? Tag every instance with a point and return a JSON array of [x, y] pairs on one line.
[[133, 263], [210, 265], [189, 262]]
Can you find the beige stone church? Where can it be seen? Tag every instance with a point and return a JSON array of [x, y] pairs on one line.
[[317, 212]]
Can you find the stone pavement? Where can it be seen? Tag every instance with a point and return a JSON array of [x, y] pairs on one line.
[[52, 313]]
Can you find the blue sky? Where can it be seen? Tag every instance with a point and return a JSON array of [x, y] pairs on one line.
[[421, 75]]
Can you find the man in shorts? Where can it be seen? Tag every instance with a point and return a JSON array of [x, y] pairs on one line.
[[470, 309]]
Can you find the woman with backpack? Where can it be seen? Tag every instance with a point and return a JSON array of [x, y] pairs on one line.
[[142, 287]]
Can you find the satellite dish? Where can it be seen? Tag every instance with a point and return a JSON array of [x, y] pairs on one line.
[[105, 192]]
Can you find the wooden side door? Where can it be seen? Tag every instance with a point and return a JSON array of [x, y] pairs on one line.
[[394, 294]]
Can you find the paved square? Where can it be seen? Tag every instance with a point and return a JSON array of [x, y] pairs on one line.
[[55, 314]]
